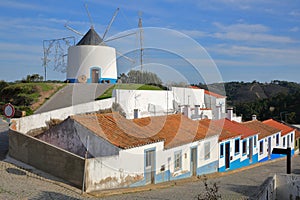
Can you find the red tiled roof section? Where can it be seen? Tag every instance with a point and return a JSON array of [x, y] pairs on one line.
[[234, 129], [213, 94], [284, 128], [174, 130], [217, 126], [263, 129]]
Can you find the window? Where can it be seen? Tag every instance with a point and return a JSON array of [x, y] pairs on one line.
[[277, 139], [244, 147], [237, 146], [206, 150], [254, 141], [178, 160], [283, 142], [292, 135], [288, 141], [221, 150], [261, 147]]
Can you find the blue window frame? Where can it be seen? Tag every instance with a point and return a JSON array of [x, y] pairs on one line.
[[261, 147], [206, 150], [237, 146], [221, 150], [277, 139], [177, 160], [244, 147]]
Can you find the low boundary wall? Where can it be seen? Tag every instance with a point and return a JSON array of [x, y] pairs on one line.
[[46, 157]]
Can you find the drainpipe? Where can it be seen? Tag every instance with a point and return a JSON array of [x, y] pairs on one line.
[[85, 163]]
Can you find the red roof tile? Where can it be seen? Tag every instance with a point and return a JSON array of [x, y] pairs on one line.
[[174, 130], [213, 94], [284, 128], [234, 129], [263, 129]]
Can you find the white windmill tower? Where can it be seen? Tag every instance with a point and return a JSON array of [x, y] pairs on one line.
[[91, 60]]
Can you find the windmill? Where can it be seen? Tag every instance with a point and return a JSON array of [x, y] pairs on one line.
[[76, 72]]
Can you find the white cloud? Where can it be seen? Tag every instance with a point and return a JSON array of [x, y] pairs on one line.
[[248, 33], [295, 13], [295, 29], [242, 27], [19, 5]]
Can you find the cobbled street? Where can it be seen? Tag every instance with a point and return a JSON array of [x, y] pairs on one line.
[[17, 183]]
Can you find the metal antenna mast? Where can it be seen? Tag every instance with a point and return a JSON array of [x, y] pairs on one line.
[[141, 39]]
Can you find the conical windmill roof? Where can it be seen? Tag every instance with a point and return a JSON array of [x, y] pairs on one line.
[[90, 38]]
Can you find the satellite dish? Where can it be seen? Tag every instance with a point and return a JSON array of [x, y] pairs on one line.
[[82, 79]]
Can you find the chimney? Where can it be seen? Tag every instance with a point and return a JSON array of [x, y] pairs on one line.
[[218, 111], [187, 111], [253, 117], [197, 110], [230, 113]]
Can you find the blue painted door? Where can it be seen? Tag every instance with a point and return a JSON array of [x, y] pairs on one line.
[[250, 150], [150, 167], [227, 155], [194, 161]]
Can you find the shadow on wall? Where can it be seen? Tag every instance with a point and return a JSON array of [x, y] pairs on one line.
[[52, 195]]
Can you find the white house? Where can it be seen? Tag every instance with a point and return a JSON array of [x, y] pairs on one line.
[[128, 153], [287, 133], [269, 137]]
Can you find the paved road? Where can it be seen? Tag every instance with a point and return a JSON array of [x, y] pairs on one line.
[[73, 94], [16, 183]]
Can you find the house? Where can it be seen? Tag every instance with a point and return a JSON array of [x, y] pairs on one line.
[[297, 140], [237, 145], [216, 102], [146, 103], [287, 133], [129, 153], [268, 138]]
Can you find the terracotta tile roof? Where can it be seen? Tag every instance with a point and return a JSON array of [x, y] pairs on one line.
[[233, 129], [174, 130], [217, 126], [284, 128], [263, 129], [213, 94]]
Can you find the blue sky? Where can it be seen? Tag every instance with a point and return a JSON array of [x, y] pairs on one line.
[[247, 39]]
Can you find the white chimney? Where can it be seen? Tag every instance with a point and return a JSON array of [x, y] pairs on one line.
[[197, 110], [187, 111], [230, 113], [253, 117], [218, 111]]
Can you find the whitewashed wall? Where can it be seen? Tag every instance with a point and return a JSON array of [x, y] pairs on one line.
[[266, 145], [81, 58], [35, 121], [148, 102], [189, 96], [118, 171]]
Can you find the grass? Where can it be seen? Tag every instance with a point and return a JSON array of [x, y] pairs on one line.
[[108, 92]]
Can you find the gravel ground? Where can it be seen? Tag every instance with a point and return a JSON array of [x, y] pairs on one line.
[[17, 183]]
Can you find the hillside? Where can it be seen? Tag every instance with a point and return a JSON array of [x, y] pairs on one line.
[[27, 96], [278, 99]]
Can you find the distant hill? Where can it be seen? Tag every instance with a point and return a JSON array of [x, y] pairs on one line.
[[278, 99]]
